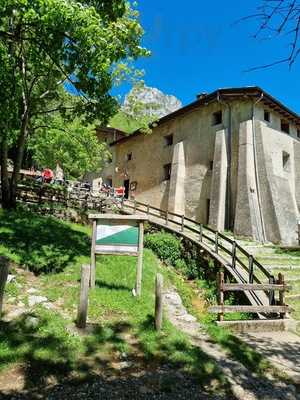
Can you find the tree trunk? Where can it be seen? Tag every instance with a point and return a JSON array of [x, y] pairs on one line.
[[5, 190], [18, 161]]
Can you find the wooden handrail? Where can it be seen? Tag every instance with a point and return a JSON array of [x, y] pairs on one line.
[[203, 235]]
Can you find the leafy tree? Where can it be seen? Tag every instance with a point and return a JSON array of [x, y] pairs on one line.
[[46, 43], [73, 143]]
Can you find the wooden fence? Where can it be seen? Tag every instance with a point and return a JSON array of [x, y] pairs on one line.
[[218, 240], [274, 307]]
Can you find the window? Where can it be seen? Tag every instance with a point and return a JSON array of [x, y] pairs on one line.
[[167, 172], [286, 161], [285, 126], [267, 116], [168, 140], [211, 165], [129, 157], [298, 133], [217, 118]]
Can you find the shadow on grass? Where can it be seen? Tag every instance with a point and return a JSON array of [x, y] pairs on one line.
[[112, 286], [42, 244], [47, 354], [51, 368]]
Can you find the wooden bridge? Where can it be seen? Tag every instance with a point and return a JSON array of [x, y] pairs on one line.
[[252, 278]]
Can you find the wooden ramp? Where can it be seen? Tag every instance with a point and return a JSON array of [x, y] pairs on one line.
[[221, 248]]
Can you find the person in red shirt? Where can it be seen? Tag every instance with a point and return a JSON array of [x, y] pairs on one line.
[[47, 175]]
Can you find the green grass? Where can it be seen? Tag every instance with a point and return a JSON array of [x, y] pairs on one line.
[[56, 250], [41, 244]]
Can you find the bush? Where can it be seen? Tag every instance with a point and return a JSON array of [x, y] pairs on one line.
[[181, 253], [166, 246]]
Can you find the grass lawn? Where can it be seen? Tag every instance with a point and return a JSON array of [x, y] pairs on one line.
[[120, 325], [118, 322]]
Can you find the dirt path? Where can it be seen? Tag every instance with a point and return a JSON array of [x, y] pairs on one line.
[[245, 384], [281, 348]]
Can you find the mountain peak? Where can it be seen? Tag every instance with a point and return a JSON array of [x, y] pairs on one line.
[[152, 100]]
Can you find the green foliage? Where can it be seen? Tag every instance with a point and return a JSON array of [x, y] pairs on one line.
[[72, 143], [136, 114], [124, 122], [166, 246], [176, 252], [47, 44]]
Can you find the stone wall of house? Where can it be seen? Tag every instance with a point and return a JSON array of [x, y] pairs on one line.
[[243, 186]]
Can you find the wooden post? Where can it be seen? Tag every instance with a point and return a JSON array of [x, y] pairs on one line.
[[234, 255], [84, 295], [148, 209], [93, 256], [158, 302], [4, 266], [182, 223], [271, 292], [167, 217], [135, 206], [221, 294], [139, 268], [251, 269], [217, 242], [281, 293], [201, 233]]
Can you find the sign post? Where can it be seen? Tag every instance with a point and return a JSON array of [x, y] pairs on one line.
[[118, 234]]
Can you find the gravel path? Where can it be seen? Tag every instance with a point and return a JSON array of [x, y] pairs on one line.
[[164, 384], [244, 384]]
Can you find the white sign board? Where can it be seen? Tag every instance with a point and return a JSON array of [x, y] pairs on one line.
[[117, 237]]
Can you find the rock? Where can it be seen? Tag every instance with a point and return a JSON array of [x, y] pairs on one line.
[[33, 300], [10, 278], [155, 102], [32, 290], [125, 364], [188, 318], [21, 304], [14, 314], [49, 306], [31, 322], [122, 365]]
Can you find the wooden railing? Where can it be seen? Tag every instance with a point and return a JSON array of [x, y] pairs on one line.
[[219, 242], [274, 307]]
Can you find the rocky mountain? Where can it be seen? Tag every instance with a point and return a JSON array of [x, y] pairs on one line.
[[150, 101]]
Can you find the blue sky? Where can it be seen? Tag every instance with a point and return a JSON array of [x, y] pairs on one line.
[[196, 48]]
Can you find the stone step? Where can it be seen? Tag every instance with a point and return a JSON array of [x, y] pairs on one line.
[[266, 325], [275, 267]]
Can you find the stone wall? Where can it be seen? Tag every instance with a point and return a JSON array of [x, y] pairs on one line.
[[228, 174]]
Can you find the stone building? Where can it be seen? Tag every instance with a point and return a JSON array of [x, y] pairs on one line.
[[231, 159]]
